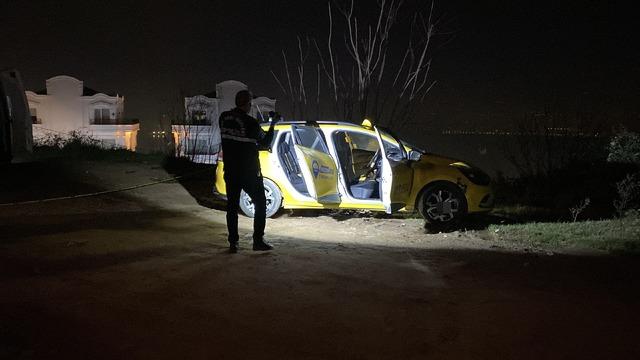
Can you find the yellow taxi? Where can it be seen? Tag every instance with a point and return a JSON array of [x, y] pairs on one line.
[[339, 165]]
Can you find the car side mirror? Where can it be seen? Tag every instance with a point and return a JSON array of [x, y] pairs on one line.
[[394, 155], [414, 155]]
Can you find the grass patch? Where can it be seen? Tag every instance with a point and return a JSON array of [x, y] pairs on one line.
[[614, 235], [524, 213]]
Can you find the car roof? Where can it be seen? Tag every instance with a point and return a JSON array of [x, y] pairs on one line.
[[314, 123], [336, 124]]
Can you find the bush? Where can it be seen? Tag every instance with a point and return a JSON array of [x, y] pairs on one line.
[[628, 193], [74, 140], [624, 147], [562, 189], [611, 174], [78, 145]]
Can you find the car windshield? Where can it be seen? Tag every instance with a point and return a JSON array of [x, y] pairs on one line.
[[413, 147], [390, 139]]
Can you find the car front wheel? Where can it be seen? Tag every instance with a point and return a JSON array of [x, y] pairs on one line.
[[271, 193], [442, 203]]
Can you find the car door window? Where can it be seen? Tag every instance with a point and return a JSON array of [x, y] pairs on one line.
[[392, 147], [289, 162], [363, 148], [308, 137]]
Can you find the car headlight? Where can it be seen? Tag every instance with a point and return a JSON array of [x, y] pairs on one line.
[[474, 175]]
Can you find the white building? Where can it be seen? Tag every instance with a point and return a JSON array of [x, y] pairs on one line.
[[66, 105], [198, 135]]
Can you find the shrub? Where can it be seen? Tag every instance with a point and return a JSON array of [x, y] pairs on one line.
[[624, 147], [628, 192], [577, 209], [78, 145], [563, 188], [601, 178]]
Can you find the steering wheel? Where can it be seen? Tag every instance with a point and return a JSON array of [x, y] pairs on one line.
[[371, 165]]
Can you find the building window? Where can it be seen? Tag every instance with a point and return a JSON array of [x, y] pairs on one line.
[[34, 116], [199, 117], [101, 116]]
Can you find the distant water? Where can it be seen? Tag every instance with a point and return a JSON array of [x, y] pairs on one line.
[[484, 151]]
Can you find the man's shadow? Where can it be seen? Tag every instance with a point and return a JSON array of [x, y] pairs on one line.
[[198, 180]]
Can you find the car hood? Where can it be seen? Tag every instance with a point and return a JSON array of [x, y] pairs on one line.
[[429, 158]]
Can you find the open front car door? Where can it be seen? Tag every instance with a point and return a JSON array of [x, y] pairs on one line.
[[318, 167], [396, 174]]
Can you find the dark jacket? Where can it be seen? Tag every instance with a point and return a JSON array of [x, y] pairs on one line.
[[242, 138]]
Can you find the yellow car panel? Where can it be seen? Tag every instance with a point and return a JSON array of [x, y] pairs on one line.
[[411, 180], [321, 170], [317, 166]]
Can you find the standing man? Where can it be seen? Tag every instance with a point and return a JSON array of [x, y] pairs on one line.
[[242, 137]]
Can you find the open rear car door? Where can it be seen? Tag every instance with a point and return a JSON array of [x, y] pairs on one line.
[[318, 167], [396, 174]]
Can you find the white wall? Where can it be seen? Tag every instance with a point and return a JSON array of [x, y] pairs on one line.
[[226, 93], [209, 136], [64, 109], [262, 105]]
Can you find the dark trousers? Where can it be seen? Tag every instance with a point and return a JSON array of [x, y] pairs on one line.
[[253, 186]]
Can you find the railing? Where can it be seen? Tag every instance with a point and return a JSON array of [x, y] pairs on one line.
[[194, 122], [114, 121]]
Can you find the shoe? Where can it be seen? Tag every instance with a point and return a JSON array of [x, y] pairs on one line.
[[233, 248], [261, 246]]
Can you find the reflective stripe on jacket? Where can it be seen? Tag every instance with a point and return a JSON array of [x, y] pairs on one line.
[[242, 136]]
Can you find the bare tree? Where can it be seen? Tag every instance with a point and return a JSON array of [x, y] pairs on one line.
[[363, 76], [190, 124], [294, 88], [194, 127]]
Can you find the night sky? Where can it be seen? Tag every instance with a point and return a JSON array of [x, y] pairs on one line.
[[503, 58]]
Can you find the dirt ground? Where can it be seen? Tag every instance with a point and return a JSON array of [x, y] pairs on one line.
[[145, 274]]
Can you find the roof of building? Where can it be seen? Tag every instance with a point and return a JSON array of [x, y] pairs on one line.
[[86, 91], [214, 95]]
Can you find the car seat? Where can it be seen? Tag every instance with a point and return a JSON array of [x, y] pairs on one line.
[[367, 189]]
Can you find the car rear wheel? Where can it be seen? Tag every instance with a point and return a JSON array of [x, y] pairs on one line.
[[272, 194], [442, 203]]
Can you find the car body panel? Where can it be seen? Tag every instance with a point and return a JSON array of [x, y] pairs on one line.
[[318, 168], [429, 169]]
